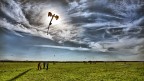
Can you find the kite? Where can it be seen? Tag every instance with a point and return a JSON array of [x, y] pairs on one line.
[[53, 16]]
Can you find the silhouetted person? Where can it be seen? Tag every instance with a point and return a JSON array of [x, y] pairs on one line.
[[44, 65], [47, 64], [39, 66]]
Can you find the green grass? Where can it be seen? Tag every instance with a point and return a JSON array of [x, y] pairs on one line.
[[118, 71]]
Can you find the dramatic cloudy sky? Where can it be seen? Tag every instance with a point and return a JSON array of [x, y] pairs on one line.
[[86, 30]]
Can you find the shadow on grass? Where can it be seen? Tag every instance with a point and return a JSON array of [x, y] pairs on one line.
[[13, 79]]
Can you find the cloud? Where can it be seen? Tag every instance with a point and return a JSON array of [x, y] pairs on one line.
[[81, 20]]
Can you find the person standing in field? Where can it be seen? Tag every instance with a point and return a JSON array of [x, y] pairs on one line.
[[39, 66], [44, 65], [47, 65]]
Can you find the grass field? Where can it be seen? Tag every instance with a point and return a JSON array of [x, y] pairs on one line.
[[117, 71]]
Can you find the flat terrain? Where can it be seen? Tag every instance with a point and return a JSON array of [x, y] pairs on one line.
[[101, 71]]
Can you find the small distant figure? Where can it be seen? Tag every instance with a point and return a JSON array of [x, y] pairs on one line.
[[39, 66], [44, 65], [47, 65]]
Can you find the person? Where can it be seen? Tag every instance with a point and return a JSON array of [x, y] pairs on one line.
[[39, 66], [47, 65], [44, 65]]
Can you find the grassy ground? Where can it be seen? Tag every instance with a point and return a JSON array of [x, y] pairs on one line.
[[22, 71]]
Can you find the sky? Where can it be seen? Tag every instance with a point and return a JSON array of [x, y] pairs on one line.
[[98, 30]]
